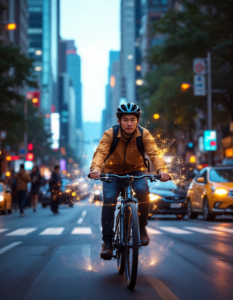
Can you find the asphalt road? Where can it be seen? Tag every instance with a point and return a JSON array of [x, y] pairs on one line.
[[45, 256]]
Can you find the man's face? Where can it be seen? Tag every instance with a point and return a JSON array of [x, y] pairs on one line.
[[57, 170], [128, 123]]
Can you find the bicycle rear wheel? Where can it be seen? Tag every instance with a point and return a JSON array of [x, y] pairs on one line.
[[131, 244], [120, 252]]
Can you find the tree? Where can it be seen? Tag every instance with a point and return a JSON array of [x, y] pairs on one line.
[[201, 26]]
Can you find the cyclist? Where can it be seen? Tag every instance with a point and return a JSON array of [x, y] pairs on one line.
[[125, 159]]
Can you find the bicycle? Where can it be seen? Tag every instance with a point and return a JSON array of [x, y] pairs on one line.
[[126, 240]]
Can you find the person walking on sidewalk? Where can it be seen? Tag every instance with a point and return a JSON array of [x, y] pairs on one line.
[[36, 181], [22, 178], [55, 187]]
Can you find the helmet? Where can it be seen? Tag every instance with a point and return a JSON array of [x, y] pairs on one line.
[[127, 109]]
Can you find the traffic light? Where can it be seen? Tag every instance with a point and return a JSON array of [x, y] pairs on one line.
[[30, 156], [30, 147]]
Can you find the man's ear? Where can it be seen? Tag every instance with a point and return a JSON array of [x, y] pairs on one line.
[[119, 121]]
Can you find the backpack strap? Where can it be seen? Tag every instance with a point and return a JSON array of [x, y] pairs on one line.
[[140, 146], [115, 140]]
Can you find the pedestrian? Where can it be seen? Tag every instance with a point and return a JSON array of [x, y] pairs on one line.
[[55, 187], [22, 178], [36, 181], [13, 190]]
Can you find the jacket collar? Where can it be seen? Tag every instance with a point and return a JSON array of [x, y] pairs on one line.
[[136, 133]]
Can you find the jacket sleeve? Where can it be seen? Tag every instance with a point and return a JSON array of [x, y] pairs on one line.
[[152, 150], [102, 151]]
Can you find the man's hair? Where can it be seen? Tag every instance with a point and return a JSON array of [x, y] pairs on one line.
[[56, 167], [21, 166]]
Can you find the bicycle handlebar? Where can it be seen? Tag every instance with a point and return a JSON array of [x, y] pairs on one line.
[[109, 176]]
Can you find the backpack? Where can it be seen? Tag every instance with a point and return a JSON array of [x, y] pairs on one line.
[[139, 143]]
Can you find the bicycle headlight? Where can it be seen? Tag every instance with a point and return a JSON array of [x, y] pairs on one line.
[[154, 197], [97, 192]]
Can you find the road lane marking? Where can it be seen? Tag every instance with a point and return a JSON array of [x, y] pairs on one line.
[[83, 213], [80, 220], [228, 230], [21, 231], [53, 231], [4, 249], [203, 230], [82, 230], [101, 228], [175, 230], [3, 229], [164, 292], [153, 231]]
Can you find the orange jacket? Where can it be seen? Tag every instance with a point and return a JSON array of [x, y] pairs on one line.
[[125, 159]]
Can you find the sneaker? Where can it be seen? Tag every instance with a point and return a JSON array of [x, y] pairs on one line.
[[22, 215], [106, 252], [34, 210], [144, 236]]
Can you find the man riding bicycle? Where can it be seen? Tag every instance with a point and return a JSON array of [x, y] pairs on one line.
[[120, 152]]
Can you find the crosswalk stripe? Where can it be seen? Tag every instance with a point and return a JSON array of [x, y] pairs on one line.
[[82, 230], [21, 231], [83, 213], [80, 220], [175, 230], [12, 245], [53, 231], [228, 230], [3, 229], [153, 231], [202, 230]]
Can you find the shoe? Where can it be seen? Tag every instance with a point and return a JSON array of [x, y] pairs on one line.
[[144, 236], [34, 210], [106, 252], [22, 215]]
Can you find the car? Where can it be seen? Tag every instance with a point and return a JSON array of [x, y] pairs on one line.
[[45, 195], [167, 198], [97, 193], [5, 199], [211, 193]]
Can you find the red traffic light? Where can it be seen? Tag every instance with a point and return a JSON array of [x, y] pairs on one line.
[[30, 147], [30, 156]]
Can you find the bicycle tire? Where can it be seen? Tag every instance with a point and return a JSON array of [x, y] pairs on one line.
[[120, 252], [131, 244]]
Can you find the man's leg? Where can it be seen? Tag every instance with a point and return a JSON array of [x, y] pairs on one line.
[[19, 195], [110, 192], [142, 193]]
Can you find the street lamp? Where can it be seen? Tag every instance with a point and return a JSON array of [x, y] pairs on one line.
[[11, 26], [185, 85], [156, 116]]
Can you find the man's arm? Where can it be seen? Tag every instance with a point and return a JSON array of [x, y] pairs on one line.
[[152, 150], [101, 154]]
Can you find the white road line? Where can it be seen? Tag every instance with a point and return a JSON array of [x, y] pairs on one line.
[[4, 249], [3, 229], [83, 213], [203, 230], [80, 220], [52, 231], [153, 231], [21, 231], [220, 228], [175, 230], [82, 230], [101, 228]]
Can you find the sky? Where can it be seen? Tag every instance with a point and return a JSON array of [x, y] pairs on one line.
[[95, 27]]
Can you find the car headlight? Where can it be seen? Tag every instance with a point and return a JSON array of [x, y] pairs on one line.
[[73, 194], [221, 192], [67, 191], [1, 198], [97, 192], [154, 197]]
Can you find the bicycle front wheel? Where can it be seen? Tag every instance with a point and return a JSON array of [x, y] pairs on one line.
[[119, 252], [131, 244]]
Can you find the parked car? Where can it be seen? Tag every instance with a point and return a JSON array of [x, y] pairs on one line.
[[5, 199], [211, 193], [167, 198]]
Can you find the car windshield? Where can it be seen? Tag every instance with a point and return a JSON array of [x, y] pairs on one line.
[[1, 188], [168, 185], [221, 175]]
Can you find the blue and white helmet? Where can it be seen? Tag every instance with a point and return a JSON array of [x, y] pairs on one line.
[[127, 109]]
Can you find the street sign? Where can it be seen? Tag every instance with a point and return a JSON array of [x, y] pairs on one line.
[[21, 151], [199, 66], [199, 86], [210, 140], [201, 143]]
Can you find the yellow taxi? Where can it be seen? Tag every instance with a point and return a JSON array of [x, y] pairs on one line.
[[5, 199], [211, 193]]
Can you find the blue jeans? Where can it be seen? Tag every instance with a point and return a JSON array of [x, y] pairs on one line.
[[111, 192], [22, 198]]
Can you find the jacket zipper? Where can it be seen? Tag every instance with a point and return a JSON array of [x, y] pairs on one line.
[[127, 143]]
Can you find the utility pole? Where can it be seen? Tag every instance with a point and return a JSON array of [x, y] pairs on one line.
[[25, 136], [209, 102]]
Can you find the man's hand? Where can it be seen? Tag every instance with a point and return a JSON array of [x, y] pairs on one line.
[[94, 174], [164, 176]]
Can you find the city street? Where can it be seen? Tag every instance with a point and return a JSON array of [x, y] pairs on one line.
[[45, 256]]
